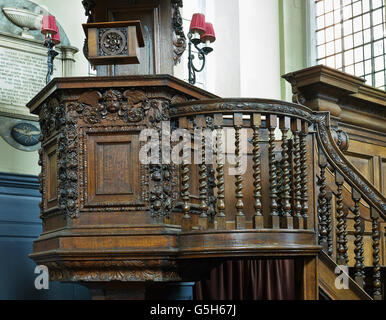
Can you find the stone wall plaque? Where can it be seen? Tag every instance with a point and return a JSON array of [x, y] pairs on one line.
[[22, 75]]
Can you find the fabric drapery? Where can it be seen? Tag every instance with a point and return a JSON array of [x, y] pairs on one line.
[[251, 279]]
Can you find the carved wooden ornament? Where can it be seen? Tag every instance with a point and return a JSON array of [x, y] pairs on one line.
[[114, 42]]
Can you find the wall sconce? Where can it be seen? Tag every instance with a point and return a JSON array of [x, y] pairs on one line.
[[200, 32], [52, 38]]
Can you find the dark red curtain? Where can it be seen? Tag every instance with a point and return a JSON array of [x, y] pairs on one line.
[[251, 279]]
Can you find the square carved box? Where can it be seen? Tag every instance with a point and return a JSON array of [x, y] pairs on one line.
[[114, 42]]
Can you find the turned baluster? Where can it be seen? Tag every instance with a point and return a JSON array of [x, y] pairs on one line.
[[304, 174], [240, 217], [377, 285], [258, 220], [220, 159], [186, 219], [322, 203], [203, 178], [274, 215], [341, 249], [329, 223], [358, 232], [286, 219], [296, 127]]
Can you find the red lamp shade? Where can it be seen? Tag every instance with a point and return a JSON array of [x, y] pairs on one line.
[[49, 25], [209, 34], [56, 37], [198, 23]]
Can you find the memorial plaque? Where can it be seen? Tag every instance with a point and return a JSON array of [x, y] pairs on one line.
[[22, 76]]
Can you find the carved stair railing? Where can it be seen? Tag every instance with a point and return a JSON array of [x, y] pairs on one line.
[[288, 184], [363, 194]]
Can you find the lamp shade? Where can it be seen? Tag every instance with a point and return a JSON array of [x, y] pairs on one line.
[[198, 23], [209, 34], [49, 25], [56, 37]]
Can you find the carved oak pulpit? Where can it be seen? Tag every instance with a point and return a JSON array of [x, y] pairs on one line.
[[104, 213], [120, 226]]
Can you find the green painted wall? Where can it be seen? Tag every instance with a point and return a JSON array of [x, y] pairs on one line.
[[293, 40]]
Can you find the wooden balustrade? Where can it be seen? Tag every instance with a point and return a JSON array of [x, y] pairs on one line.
[[360, 199], [280, 176], [285, 181]]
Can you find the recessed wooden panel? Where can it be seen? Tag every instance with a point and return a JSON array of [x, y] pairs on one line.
[[113, 170], [363, 163], [110, 158], [51, 176]]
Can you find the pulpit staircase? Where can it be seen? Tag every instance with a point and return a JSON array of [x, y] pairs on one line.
[[108, 218]]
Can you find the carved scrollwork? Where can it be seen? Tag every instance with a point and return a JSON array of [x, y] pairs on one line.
[[130, 106], [162, 194], [341, 139], [68, 141], [297, 96], [179, 38], [120, 270]]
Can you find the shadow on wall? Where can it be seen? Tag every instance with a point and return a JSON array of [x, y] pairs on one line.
[[19, 226]]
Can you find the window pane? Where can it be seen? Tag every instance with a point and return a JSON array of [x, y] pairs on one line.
[[338, 31], [349, 57], [350, 70], [338, 45], [321, 51], [378, 32], [348, 42], [368, 67], [358, 54], [330, 62], [320, 36], [329, 34], [347, 12], [329, 19], [367, 50], [379, 79], [357, 22], [366, 21], [367, 36], [369, 80], [352, 37], [338, 60], [328, 5], [359, 70], [377, 4], [347, 27], [379, 63], [378, 48], [330, 48], [377, 17], [357, 8], [366, 5], [358, 39], [319, 8]]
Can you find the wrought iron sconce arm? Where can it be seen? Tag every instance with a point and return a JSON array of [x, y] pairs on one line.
[[50, 57], [201, 52]]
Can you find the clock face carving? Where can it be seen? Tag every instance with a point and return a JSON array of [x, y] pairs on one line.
[[26, 134]]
